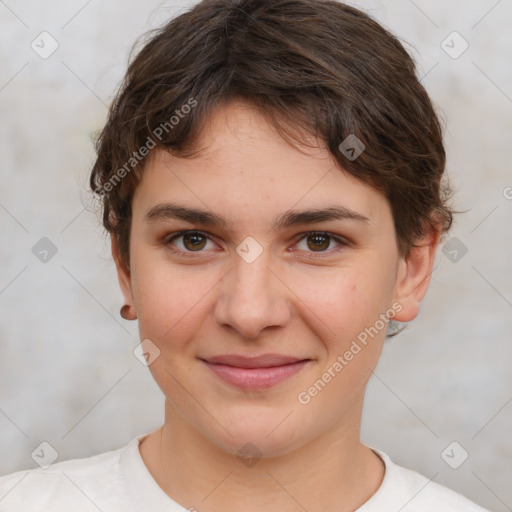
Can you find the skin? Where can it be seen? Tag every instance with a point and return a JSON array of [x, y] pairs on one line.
[[294, 299]]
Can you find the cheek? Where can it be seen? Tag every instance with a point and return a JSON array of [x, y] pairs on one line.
[[345, 307], [347, 319], [170, 301], [345, 301]]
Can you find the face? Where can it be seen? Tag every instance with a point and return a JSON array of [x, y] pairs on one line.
[[256, 275]]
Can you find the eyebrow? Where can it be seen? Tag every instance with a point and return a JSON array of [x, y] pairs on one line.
[[288, 219]]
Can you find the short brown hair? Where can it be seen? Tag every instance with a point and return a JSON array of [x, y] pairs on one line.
[[320, 65]]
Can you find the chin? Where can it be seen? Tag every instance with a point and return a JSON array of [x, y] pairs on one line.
[[264, 437]]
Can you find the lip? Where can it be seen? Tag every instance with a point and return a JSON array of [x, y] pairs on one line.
[[263, 361], [252, 373]]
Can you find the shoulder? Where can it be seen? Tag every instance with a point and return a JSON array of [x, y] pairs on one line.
[[430, 495], [81, 482], [412, 492]]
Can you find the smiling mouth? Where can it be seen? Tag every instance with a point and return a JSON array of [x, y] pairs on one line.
[[256, 373], [261, 361]]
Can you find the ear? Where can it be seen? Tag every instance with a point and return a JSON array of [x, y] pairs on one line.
[[413, 277], [125, 282]]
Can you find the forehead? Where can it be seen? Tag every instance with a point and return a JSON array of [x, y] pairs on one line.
[[241, 124], [241, 163]]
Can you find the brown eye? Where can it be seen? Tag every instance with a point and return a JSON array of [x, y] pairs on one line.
[[194, 241], [187, 242], [319, 241]]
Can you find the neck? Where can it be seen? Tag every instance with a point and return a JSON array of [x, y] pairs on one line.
[[333, 472]]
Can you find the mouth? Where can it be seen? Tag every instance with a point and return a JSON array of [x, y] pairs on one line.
[[253, 373]]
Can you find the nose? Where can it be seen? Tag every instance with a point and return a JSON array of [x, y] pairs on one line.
[[253, 296]]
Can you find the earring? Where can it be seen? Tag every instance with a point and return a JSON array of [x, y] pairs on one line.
[[124, 312]]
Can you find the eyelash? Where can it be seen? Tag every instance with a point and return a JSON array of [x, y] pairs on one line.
[[193, 254]]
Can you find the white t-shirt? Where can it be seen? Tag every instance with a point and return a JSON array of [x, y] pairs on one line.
[[118, 481]]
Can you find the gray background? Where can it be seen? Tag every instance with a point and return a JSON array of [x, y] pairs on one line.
[[67, 372]]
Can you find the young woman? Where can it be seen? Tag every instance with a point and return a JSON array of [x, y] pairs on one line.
[[271, 177]]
